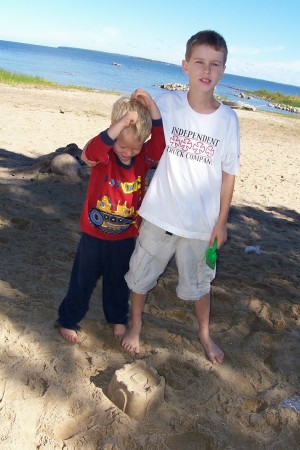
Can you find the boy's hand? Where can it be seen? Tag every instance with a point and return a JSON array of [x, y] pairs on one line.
[[129, 118], [87, 161], [143, 97], [219, 233]]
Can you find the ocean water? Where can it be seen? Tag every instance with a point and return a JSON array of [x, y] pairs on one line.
[[119, 73]]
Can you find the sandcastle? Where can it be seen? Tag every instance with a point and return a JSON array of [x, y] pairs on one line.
[[136, 389]]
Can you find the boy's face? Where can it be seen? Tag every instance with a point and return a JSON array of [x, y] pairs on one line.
[[205, 68], [127, 145]]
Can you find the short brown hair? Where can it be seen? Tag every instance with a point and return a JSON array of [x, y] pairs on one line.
[[143, 125], [207, 37]]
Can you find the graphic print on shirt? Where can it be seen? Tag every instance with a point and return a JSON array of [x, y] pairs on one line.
[[191, 145], [115, 218]]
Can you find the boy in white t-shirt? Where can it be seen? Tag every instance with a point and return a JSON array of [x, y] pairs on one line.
[[186, 206]]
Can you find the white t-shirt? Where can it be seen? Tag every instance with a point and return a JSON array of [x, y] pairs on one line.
[[184, 194]]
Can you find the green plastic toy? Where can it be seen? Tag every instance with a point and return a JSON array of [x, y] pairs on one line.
[[211, 255]]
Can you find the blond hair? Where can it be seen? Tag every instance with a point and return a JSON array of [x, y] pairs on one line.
[[143, 125]]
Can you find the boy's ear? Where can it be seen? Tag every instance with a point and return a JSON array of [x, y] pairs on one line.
[[222, 75], [185, 67]]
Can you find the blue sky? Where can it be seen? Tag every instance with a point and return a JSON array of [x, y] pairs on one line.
[[262, 35]]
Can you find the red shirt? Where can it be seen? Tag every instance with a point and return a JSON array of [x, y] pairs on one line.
[[116, 190]]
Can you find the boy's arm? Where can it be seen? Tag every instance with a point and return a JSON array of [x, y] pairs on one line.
[[115, 129], [146, 99], [220, 229], [96, 150], [84, 158], [156, 144]]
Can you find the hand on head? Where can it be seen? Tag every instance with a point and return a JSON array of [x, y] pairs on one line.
[[130, 118]]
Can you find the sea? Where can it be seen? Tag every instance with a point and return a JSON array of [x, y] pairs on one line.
[[120, 73]]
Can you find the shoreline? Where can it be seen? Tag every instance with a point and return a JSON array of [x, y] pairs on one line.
[[270, 103], [243, 95]]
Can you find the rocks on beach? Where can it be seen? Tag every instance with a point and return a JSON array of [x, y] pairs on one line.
[[292, 109], [174, 86], [184, 87], [235, 105], [284, 107], [65, 161]]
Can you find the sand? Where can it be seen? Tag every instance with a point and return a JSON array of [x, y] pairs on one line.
[[53, 393]]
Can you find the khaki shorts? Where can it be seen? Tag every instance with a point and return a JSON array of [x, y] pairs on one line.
[[154, 249]]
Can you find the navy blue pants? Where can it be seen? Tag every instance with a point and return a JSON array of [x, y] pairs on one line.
[[96, 258]]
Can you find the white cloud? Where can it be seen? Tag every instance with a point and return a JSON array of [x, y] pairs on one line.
[[280, 72], [246, 51]]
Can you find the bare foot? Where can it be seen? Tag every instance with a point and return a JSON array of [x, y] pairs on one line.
[[131, 339], [213, 352], [69, 335], [119, 331]]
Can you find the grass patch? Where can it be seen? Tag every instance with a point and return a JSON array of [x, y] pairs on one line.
[[277, 97], [13, 78]]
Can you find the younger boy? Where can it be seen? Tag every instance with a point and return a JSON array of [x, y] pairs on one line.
[[109, 222], [186, 206]]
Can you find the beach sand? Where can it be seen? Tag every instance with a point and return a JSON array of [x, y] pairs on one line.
[[53, 393]]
